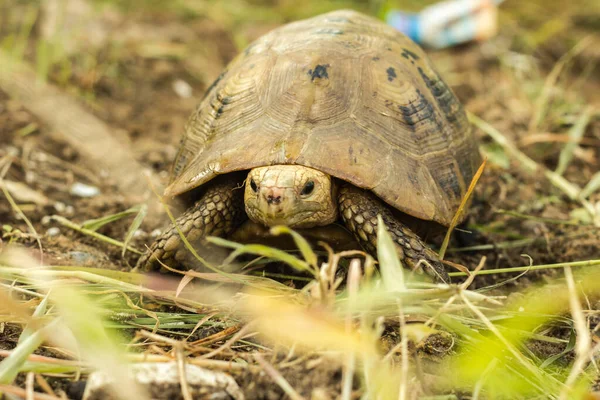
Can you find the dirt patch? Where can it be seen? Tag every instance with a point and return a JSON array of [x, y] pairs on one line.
[[148, 75]]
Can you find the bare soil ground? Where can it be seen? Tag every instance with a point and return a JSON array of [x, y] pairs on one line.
[[145, 84]]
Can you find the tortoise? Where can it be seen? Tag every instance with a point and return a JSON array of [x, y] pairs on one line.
[[334, 118]]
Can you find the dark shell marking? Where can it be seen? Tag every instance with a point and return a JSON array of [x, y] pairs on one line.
[[319, 72], [395, 129]]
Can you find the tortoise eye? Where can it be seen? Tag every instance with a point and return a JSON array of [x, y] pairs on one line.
[[308, 188], [253, 186]]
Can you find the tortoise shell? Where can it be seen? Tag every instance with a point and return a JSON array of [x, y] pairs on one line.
[[342, 93]]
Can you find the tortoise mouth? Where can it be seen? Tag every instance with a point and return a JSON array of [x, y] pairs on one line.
[[294, 219]]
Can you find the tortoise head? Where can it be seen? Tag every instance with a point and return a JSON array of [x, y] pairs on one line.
[[292, 195]]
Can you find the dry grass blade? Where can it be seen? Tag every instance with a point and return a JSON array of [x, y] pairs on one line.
[[23, 193], [461, 208], [18, 210], [583, 347], [278, 378], [22, 393], [354, 277]]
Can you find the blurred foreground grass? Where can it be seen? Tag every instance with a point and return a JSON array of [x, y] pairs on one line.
[[79, 312]]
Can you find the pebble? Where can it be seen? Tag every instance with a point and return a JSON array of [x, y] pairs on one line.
[[139, 233], [164, 381], [182, 88], [82, 257], [155, 233], [83, 190], [60, 206], [54, 231]]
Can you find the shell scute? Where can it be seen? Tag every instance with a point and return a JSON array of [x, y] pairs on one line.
[[343, 93]]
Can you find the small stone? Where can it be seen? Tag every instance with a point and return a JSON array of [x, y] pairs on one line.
[[82, 190], [138, 233], [182, 89], [163, 381], [155, 233], [54, 231], [60, 207], [82, 257]]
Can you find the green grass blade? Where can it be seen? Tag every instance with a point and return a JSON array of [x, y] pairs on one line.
[[592, 186], [97, 223], [389, 264], [137, 222], [40, 310], [261, 250], [575, 135], [303, 245], [11, 365]]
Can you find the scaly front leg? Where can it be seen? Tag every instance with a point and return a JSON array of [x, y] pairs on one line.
[[359, 209], [218, 212]]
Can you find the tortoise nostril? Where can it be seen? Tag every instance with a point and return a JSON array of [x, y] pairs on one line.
[[273, 199]]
